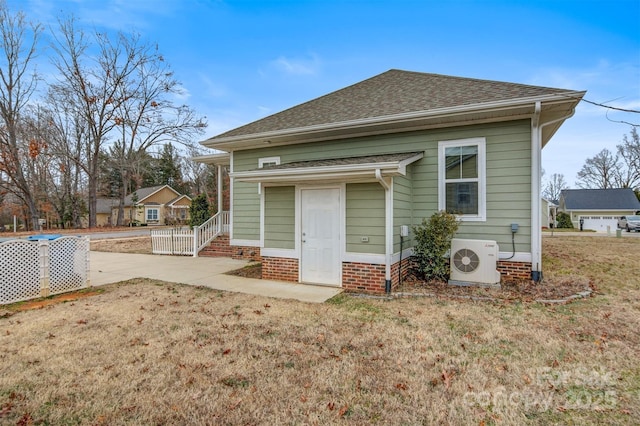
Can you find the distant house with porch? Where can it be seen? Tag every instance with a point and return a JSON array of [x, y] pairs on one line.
[[156, 205]]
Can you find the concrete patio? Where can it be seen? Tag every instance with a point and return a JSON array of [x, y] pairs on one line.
[[107, 268]]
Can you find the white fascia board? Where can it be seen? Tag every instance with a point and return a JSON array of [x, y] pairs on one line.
[[244, 243], [374, 259], [215, 159], [327, 172], [396, 118], [285, 253], [518, 257]]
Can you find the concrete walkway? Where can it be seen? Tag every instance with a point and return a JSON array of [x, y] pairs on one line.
[[107, 268]]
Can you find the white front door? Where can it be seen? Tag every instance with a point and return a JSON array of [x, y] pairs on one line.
[[320, 234]]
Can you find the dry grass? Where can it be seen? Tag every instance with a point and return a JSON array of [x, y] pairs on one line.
[[141, 245], [147, 352]]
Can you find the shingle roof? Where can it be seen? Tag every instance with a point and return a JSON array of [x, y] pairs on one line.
[[104, 205], [390, 93], [600, 199], [368, 159]]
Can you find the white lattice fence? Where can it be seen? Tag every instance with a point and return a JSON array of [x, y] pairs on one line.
[[32, 269]]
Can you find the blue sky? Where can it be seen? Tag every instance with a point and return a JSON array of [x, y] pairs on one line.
[[242, 60]]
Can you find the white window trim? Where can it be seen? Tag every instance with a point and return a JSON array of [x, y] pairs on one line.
[[149, 210], [482, 184], [268, 160]]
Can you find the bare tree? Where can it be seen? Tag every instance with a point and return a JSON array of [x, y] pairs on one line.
[[554, 187], [123, 93], [599, 172], [17, 85], [93, 85], [148, 117], [629, 154], [65, 135]]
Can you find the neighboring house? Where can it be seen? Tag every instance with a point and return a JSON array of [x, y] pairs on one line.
[[599, 209], [104, 206], [322, 189], [548, 212], [157, 205]]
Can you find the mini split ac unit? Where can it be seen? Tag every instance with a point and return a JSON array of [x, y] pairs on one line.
[[473, 262]]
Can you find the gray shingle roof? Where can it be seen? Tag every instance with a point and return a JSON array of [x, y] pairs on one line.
[[600, 199], [104, 205], [390, 93], [347, 161]]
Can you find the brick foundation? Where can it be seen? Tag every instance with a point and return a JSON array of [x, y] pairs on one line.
[[280, 268], [220, 248], [514, 270], [363, 277]]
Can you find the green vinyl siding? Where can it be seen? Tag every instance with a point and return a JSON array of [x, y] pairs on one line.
[[508, 183], [279, 217], [365, 218], [402, 209], [246, 211]]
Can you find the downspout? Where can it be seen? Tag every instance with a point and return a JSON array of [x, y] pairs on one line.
[[388, 231], [536, 170]]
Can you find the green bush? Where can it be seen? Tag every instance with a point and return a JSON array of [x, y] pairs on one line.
[[564, 220], [432, 241], [199, 210]]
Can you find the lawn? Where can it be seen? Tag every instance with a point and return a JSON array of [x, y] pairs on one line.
[[147, 352]]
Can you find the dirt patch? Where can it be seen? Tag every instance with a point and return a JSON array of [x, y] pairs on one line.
[[8, 310], [556, 289], [140, 245], [250, 271]]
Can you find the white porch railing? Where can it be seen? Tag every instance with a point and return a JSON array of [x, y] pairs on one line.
[[186, 241]]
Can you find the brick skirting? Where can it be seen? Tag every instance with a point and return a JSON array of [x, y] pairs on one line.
[[280, 268], [514, 270], [220, 248], [363, 277]]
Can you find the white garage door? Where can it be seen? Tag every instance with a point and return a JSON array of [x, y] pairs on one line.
[[600, 223]]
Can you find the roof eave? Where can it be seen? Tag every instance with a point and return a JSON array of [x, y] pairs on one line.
[[400, 122], [341, 172]]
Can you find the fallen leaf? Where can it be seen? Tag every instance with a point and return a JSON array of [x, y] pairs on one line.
[[447, 377], [343, 410]]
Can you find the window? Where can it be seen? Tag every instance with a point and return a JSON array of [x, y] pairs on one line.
[[461, 178], [152, 214], [268, 161]]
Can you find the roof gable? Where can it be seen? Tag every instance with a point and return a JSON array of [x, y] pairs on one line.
[[600, 199], [390, 94], [143, 193]]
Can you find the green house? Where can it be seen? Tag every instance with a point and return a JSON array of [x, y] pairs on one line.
[[322, 190]]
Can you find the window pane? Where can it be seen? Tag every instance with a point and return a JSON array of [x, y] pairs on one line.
[[470, 162], [462, 198], [452, 162], [461, 162]]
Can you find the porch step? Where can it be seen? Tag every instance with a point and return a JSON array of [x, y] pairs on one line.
[[218, 248]]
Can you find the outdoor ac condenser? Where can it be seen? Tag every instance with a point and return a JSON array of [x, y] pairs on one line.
[[474, 262]]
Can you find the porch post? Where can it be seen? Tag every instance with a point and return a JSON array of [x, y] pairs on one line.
[[220, 181]]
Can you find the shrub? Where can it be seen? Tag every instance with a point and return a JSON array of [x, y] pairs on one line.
[[432, 240], [199, 210], [564, 220]]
